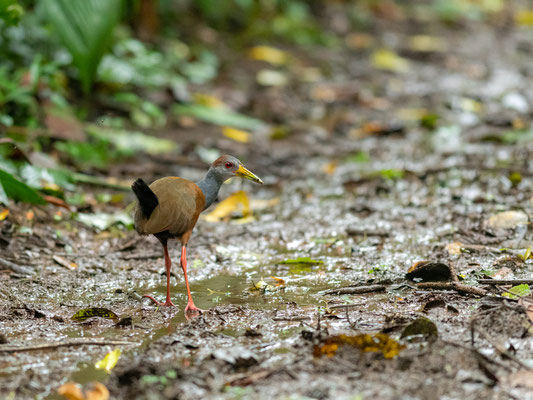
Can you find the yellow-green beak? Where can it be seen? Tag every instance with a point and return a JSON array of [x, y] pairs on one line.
[[248, 174]]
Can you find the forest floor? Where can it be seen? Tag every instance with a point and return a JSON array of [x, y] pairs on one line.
[[381, 169]]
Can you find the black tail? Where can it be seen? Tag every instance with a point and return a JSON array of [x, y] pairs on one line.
[[147, 199]]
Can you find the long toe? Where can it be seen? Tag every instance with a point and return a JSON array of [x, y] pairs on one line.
[[192, 310], [167, 303]]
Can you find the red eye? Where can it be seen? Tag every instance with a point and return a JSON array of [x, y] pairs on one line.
[[229, 165]]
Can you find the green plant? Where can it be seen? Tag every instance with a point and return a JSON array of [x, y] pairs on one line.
[[10, 11], [85, 28]]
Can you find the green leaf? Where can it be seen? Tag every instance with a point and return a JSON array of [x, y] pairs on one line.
[[518, 291], [104, 221], [85, 28], [10, 12], [87, 313], [219, 116], [392, 174], [17, 190], [129, 142], [301, 260]]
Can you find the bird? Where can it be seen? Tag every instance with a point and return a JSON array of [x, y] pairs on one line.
[[169, 209]]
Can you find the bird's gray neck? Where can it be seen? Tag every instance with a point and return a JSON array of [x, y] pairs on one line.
[[210, 185]]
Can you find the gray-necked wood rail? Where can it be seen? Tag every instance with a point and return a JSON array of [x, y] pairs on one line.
[[170, 207]]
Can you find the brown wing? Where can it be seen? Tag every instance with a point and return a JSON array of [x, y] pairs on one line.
[[180, 204]]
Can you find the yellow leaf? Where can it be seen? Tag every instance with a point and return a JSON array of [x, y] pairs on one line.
[[208, 100], [268, 54], [109, 361], [237, 201], [3, 214], [330, 167], [426, 43], [71, 391], [389, 61], [236, 134], [379, 342], [524, 17], [261, 204], [454, 248]]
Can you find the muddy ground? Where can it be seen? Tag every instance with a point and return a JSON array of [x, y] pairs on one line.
[[365, 200]]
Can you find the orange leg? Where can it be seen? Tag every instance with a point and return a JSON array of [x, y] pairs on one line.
[[191, 308], [168, 264]]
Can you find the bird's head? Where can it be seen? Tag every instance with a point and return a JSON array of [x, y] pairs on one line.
[[227, 167]]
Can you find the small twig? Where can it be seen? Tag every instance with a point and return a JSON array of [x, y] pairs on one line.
[[453, 272], [505, 281], [459, 287], [355, 290], [248, 379], [336, 306], [67, 343], [19, 269], [366, 232], [295, 318], [350, 322]]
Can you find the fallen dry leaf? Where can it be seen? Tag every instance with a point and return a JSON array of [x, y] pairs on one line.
[[97, 392], [208, 100], [238, 201], [236, 134], [524, 17], [3, 214], [330, 167], [268, 54], [71, 391], [426, 43], [454, 248], [64, 262], [507, 220], [388, 60], [109, 361], [380, 342]]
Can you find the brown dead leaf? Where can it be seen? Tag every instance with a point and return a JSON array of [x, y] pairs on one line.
[[503, 273], [71, 391], [29, 215], [280, 282], [63, 126], [56, 201]]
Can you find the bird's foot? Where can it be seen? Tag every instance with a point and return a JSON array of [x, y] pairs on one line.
[[167, 303], [192, 310]]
